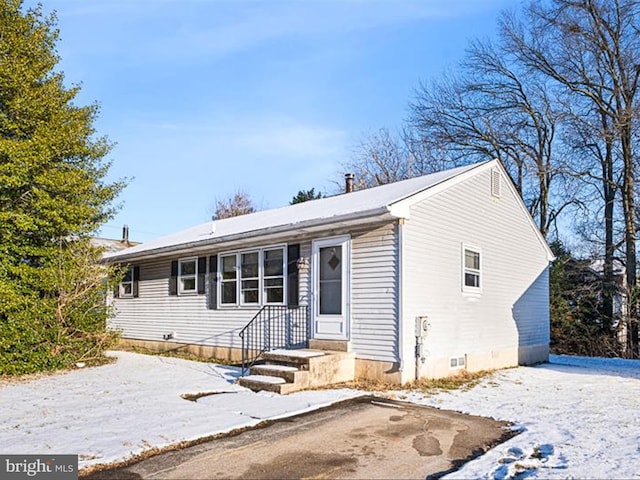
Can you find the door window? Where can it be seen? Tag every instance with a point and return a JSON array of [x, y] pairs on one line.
[[330, 280]]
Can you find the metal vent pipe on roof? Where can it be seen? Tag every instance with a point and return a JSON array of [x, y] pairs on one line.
[[125, 234], [348, 182]]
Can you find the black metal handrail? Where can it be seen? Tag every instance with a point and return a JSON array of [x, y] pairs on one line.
[[274, 326]]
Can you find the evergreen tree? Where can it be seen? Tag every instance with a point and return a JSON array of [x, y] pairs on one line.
[[53, 196], [305, 195], [579, 323]]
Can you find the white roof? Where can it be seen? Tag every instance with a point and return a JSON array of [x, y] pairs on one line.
[[376, 201]]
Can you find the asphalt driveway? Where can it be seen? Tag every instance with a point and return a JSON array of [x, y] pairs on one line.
[[366, 437]]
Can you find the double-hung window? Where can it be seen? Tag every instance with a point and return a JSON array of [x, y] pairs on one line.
[[253, 277], [273, 276], [126, 285], [250, 278], [471, 272], [188, 275], [229, 279]]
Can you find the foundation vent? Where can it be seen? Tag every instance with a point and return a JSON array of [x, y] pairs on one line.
[[457, 362]]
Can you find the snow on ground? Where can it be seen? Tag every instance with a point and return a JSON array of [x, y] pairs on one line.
[[108, 413], [579, 417]]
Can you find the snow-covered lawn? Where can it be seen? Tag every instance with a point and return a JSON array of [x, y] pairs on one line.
[[109, 413], [580, 417]]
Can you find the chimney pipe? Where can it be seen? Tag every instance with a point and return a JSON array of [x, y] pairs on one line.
[[348, 182], [125, 234]]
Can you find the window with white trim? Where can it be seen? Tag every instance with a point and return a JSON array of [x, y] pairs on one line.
[[250, 278], [471, 273], [253, 277], [126, 285], [229, 279], [273, 276], [188, 275]]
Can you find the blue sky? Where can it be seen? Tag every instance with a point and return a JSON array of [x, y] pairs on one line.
[[207, 97]]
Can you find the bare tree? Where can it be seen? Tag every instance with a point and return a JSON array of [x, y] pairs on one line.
[[597, 164], [239, 203], [591, 48], [496, 109], [382, 157]]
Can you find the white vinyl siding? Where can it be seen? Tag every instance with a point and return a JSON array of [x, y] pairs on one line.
[[513, 309], [155, 312], [374, 294]]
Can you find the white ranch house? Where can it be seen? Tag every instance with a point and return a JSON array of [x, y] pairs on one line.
[[418, 278]]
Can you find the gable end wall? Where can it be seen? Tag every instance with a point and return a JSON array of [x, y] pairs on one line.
[[508, 322]]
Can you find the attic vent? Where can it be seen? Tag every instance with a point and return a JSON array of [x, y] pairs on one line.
[[496, 183]]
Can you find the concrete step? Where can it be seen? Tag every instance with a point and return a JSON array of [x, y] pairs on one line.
[[290, 374], [295, 358], [287, 371], [268, 383]]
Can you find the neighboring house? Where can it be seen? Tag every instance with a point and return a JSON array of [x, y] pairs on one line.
[[111, 245], [418, 278], [620, 303]]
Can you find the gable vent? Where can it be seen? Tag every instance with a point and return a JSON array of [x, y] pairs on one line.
[[496, 183]]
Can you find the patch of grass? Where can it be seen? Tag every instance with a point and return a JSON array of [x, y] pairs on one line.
[[462, 381], [175, 353], [98, 361], [194, 397]]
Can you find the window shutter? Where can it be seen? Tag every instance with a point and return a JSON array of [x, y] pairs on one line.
[[202, 274], [212, 284], [293, 277], [135, 279], [173, 281], [116, 289]]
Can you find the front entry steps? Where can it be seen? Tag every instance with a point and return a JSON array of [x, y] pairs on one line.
[[287, 371]]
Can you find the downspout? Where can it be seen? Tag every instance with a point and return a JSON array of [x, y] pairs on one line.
[[400, 295]]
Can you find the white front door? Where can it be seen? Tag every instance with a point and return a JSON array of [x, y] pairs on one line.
[[330, 267]]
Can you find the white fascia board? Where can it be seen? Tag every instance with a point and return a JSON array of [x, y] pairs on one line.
[[267, 234]]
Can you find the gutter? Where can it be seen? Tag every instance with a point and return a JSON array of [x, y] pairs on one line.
[[343, 220]]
